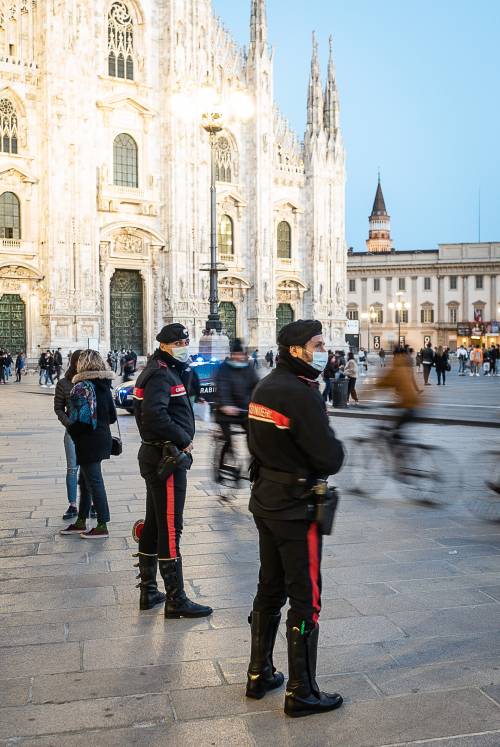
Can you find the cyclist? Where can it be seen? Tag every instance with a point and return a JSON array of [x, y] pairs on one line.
[[234, 383], [399, 378]]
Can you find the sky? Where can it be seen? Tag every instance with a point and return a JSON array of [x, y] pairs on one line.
[[419, 86]]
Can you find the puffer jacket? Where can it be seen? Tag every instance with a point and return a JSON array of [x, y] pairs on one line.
[[62, 400], [351, 369], [95, 445]]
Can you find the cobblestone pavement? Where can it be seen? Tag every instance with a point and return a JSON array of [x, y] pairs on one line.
[[410, 627]]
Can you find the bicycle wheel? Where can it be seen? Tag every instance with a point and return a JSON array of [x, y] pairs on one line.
[[421, 473], [366, 468], [484, 500]]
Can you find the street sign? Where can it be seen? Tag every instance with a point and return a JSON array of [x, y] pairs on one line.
[[376, 342], [402, 340], [427, 339], [352, 327]]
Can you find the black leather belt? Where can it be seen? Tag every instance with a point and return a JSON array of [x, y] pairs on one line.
[[283, 478]]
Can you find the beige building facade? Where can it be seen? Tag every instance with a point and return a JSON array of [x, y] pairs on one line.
[[104, 188]]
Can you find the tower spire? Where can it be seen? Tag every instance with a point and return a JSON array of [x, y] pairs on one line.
[[315, 95], [379, 234], [258, 23], [331, 96]]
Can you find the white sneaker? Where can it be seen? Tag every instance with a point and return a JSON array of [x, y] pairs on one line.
[[52, 386]]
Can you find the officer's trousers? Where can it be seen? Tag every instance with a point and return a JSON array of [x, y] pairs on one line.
[[290, 566], [164, 513]]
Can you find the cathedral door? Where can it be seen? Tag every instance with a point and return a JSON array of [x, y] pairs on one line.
[[126, 304], [227, 311], [284, 315], [12, 323]]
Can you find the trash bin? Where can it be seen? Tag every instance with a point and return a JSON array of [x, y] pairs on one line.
[[339, 392]]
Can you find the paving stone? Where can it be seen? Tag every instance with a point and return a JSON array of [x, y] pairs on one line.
[[492, 591], [39, 617], [30, 634], [153, 624], [455, 621], [14, 692], [20, 661], [414, 652], [103, 712], [48, 600], [424, 600], [391, 572]]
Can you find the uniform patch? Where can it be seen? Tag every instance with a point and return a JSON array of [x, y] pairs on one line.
[[138, 393], [178, 390], [266, 415]]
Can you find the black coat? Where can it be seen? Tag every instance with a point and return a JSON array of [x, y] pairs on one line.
[[289, 432], [163, 410], [62, 400], [95, 445], [428, 355], [234, 386], [441, 361]]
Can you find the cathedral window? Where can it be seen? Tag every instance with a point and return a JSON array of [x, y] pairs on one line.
[[223, 160], [120, 42], [226, 235], [284, 240], [8, 127], [10, 216], [125, 161]]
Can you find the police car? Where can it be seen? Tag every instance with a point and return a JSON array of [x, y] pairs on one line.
[[205, 370]]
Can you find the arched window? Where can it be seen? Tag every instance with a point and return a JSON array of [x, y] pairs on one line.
[[284, 240], [125, 161], [284, 315], [225, 239], [120, 42], [223, 160], [8, 127], [10, 216]]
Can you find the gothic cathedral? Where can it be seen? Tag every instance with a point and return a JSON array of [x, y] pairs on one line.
[[104, 189]]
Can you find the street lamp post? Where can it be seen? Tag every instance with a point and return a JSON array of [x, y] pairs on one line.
[[213, 124], [371, 314], [399, 305]]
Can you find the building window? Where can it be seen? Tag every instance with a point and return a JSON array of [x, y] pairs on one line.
[[225, 239], [427, 316], [379, 318], [453, 314], [120, 42], [376, 284], [8, 127], [223, 160], [402, 316], [284, 315], [427, 284], [284, 240], [479, 282], [352, 314], [125, 161], [352, 285], [453, 282], [402, 284], [10, 216]]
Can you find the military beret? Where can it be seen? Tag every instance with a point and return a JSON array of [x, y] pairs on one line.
[[299, 332], [172, 333]]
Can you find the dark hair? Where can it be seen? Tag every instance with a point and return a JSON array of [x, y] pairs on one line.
[[71, 370], [350, 356]]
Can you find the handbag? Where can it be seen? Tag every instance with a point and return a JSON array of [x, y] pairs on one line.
[[116, 441], [448, 367]]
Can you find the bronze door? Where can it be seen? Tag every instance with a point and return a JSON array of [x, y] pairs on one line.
[[12, 323], [126, 307]]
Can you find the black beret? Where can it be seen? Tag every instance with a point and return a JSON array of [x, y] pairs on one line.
[[172, 333], [236, 346], [299, 332]]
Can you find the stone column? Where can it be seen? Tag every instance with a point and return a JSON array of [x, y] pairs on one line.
[[493, 299], [465, 298], [414, 300]]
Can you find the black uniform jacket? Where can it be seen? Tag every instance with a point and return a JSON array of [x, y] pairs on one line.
[[163, 410], [234, 386], [289, 432]]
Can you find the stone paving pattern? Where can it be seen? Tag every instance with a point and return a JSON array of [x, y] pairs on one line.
[[410, 626]]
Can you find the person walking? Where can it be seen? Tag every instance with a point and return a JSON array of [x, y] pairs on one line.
[[255, 358], [462, 359], [362, 362], [62, 397], [58, 363], [164, 417], [292, 445], [476, 360], [8, 365], [3, 379], [381, 356], [351, 372], [427, 362], [494, 355], [441, 363], [91, 411], [328, 377], [19, 366]]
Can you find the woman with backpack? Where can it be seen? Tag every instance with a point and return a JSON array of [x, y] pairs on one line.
[[91, 411]]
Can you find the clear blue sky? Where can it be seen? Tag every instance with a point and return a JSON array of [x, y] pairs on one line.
[[419, 90]]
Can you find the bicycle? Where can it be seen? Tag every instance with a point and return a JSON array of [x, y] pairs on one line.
[[418, 469], [233, 470], [487, 504]]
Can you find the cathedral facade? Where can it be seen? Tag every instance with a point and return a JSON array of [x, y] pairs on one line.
[[104, 188]]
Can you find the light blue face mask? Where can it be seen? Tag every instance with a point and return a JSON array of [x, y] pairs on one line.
[[238, 364], [319, 361], [180, 354]]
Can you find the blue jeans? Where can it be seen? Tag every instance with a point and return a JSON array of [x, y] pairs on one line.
[[92, 490], [71, 469]]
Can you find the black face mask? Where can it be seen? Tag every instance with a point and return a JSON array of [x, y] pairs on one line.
[[297, 365]]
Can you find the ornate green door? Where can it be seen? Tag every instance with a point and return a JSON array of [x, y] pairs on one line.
[[227, 311], [126, 306], [12, 323], [284, 315]]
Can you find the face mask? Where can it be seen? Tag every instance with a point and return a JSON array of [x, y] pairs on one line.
[[319, 361], [238, 364], [180, 354]]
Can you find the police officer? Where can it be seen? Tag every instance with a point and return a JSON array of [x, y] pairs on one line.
[[164, 416], [292, 445]]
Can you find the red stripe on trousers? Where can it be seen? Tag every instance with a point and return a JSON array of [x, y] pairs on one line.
[[313, 549], [172, 550]]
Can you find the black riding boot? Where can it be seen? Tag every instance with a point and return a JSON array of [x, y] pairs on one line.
[[150, 596], [303, 696], [262, 675], [177, 604]]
